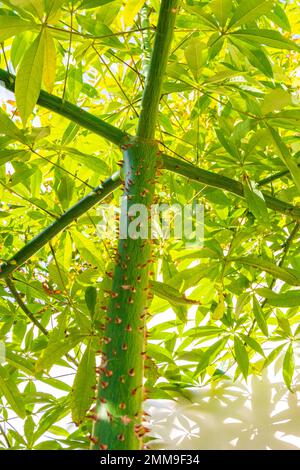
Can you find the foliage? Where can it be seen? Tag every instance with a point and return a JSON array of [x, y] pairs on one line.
[[230, 105]]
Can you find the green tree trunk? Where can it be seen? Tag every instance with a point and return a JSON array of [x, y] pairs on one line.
[[118, 422]]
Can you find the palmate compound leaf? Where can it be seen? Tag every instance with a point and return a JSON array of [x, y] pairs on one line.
[[221, 9], [29, 77], [288, 275], [259, 317], [210, 354], [83, 387]]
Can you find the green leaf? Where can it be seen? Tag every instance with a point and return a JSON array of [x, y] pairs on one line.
[[13, 25], [11, 393], [8, 127], [286, 157], [256, 202], [257, 57], [276, 100], [241, 356], [284, 299], [167, 292], [210, 354], [86, 4], [29, 77], [49, 70], [266, 37], [285, 274], [288, 367], [221, 9], [55, 350], [132, 7], [91, 299], [87, 248], [196, 55], [249, 10], [82, 391], [253, 344], [259, 317]]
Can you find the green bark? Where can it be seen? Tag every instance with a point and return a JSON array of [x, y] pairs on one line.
[[118, 424]]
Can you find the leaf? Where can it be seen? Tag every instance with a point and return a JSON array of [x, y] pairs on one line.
[[266, 37], [166, 292], [82, 392], [19, 362], [132, 7], [36, 7], [86, 4], [8, 127], [284, 299], [257, 57], [288, 367], [87, 249], [210, 354], [221, 10], [241, 356], [10, 391], [259, 317], [196, 56], [52, 8], [256, 202], [91, 299], [29, 77], [55, 350], [286, 157], [285, 274], [49, 70], [276, 100], [253, 344], [219, 311], [249, 10], [13, 25]]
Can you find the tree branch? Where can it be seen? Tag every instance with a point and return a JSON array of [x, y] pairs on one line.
[[71, 112], [223, 182], [34, 245]]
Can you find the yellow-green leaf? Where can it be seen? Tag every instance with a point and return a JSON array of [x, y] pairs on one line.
[[8, 127], [36, 7], [289, 367], [55, 350], [241, 356], [13, 25], [29, 77], [221, 9], [259, 317], [10, 391], [49, 70], [286, 157], [167, 292], [196, 55], [249, 10], [82, 391], [276, 100], [285, 274]]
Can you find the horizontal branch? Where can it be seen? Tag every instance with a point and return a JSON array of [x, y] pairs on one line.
[[223, 182], [71, 112], [38, 242]]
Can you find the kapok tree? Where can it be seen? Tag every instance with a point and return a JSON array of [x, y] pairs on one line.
[[214, 98]]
